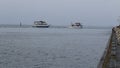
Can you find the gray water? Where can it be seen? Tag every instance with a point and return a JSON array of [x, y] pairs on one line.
[[52, 47]]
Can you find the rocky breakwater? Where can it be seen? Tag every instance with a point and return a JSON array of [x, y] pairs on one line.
[[116, 30]]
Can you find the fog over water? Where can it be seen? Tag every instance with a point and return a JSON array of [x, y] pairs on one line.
[[60, 12]]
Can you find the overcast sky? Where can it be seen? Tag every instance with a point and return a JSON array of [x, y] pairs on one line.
[[60, 12]]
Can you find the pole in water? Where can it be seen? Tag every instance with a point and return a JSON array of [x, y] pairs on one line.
[[20, 24], [118, 20]]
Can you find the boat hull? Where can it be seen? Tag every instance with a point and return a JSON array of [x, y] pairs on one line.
[[75, 27], [41, 26]]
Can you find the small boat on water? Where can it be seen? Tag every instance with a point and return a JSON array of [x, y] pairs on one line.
[[40, 24], [76, 25]]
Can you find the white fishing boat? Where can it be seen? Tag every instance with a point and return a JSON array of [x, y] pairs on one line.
[[76, 25], [40, 24]]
